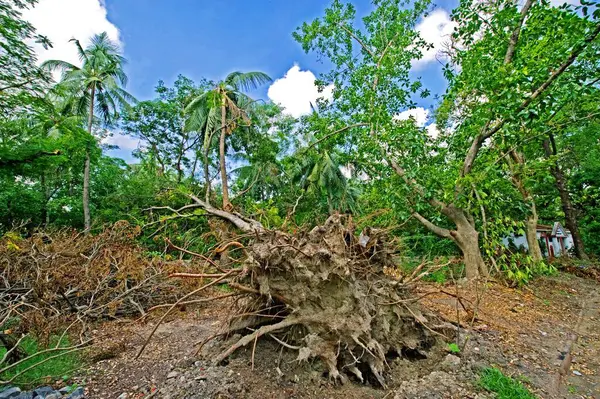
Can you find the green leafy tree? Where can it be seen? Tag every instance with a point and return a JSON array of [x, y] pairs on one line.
[[94, 90], [508, 66], [22, 82], [160, 123]]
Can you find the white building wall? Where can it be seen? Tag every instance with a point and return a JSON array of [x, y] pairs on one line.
[[521, 241]]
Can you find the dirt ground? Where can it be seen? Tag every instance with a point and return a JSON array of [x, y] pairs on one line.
[[524, 332]]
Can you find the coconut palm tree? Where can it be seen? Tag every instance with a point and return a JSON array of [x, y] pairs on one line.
[[322, 175], [222, 110], [94, 90]]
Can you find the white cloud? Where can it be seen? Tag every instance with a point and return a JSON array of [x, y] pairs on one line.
[[419, 114], [62, 20], [435, 29], [296, 91], [123, 142], [433, 131]]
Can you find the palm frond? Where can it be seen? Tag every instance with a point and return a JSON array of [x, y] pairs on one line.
[[58, 65], [80, 51], [245, 81]]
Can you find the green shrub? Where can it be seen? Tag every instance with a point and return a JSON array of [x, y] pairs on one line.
[[505, 387]]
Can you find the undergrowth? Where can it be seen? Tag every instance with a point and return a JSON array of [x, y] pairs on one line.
[[505, 387], [57, 368], [439, 275]]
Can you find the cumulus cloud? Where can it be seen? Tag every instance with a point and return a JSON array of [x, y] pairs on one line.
[[62, 20], [419, 114], [296, 90], [433, 131], [435, 29]]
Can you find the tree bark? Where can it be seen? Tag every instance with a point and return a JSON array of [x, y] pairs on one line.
[[532, 218], [565, 199], [465, 236], [531, 234], [226, 203], [87, 221], [206, 175]]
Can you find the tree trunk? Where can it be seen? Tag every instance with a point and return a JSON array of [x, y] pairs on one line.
[[532, 218], [565, 199], [466, 237], [206, 175], [226, 203], [194, 166], [179, 167], [87, 221], [159, 160], [531, 234]]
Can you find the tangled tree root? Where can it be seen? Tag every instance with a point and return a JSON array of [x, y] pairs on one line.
[[327, 291]]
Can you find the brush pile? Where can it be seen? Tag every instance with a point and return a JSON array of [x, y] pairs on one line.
[[49, 279]]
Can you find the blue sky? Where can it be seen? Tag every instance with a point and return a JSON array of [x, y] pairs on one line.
[[200, 38], [212, 38]]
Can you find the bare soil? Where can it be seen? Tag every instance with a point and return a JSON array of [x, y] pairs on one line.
[[524, 332]]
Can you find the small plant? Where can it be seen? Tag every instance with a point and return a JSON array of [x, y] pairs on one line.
[[505, 387], [453, 348], [224, 287], [572, 389], [50, 366]]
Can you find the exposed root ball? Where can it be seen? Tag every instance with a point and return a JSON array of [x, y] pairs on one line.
[[327, 291]]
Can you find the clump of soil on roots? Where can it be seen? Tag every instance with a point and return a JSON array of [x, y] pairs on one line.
[[325, 294]]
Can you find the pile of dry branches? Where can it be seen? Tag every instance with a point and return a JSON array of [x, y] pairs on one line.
[[48, 280]]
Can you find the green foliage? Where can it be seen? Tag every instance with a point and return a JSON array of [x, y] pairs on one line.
[[453, 348], [519, 268], [160, 123], [505, 387], [21, 80], [55, 368], [435, 274]]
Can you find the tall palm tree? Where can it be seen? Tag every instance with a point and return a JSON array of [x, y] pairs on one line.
[[94, 89], [223, 109]]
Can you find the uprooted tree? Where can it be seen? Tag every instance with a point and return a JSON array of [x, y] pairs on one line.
[[327, 289]]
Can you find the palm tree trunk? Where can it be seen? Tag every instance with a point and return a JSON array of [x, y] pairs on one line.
[[87, 222], [226, 203], [206, 175], [180, 156]]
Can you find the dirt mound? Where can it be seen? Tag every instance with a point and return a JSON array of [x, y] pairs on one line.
[[326, 295]]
